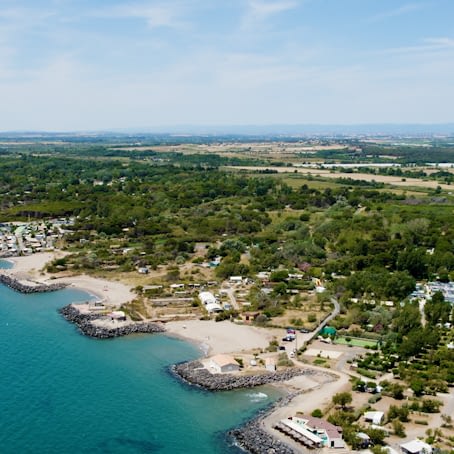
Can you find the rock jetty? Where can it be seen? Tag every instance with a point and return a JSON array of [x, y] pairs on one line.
[[19, 286], [85, 324], [255, 440], [195, 373]]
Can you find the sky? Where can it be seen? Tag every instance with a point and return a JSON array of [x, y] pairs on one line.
[[72, 65]]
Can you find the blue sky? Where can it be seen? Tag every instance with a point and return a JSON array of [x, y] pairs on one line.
[[108, 64]]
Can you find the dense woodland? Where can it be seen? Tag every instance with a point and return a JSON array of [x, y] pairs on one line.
[[367, 244]]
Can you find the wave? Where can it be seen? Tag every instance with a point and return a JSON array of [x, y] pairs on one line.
[[257, 397]]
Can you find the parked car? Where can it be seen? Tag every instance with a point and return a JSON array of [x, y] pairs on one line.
[[291, 331], [289, 338], [304, 330]]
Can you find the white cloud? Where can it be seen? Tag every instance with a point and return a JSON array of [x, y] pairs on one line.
[[427, 46], [264, 9], [259, 11], [157, 15], [400, 11]]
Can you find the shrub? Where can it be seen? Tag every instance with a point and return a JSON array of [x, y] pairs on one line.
[[430, 406], [374, 399], [398, 428]]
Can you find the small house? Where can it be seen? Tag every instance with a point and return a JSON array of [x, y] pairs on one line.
[[224, 363], [207, 298], [270, 364], [117, 315], [236, 279], [416, 447], [213, 307]]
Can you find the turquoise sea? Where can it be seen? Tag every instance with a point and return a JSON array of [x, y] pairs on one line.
[[61, 392]]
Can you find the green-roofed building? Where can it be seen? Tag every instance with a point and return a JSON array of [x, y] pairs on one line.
[[328, 331]]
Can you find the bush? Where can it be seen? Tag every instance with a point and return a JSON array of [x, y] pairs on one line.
[[317, 413], [284, 361], [398, 428], [272, 347], [374, 399], [430, 406]]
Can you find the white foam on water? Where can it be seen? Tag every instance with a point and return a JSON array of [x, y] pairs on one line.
[[257, 397]]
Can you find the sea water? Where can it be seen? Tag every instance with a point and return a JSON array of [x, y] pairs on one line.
[[61, 392]]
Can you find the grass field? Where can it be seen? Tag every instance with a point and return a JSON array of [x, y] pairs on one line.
[[355, 342]]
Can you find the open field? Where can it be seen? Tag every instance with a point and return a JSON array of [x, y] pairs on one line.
[[391, 180], [356, 342]]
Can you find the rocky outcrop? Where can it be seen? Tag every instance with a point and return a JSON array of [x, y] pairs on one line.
[[195, 373], [19, 286], [253, 439], [85, 324]]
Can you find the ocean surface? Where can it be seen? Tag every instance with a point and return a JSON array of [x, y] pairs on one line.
[[61, 392]]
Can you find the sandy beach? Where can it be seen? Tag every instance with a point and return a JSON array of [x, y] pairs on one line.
[[32, 267], [222, 337]]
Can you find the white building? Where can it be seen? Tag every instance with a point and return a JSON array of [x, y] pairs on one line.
[[213, 307], [224, 363], [236, 279], [207, 298], [315, 432], [416, 447], [270, 364], [375, 417]]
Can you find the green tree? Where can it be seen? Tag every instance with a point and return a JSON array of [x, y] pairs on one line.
[[342, 399]]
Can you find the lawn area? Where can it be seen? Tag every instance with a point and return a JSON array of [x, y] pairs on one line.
[[355, 341]]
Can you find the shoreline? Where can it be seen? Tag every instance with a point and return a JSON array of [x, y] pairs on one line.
[[30, 268], [210, 338]]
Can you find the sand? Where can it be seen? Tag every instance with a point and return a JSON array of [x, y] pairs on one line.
[[222, 337], [32, 267]]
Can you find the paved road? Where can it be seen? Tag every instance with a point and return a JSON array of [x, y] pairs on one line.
[[231, 294], [335, 313]]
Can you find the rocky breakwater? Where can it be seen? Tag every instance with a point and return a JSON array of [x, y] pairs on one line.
[[21, 287], [255, 440], [195, 373], [88, 326]]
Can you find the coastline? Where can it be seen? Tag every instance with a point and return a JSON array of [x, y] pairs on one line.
[[304, 393], [30, 268]]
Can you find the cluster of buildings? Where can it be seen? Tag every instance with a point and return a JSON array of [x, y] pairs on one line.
[[31, 237], [427, 290], [210, 303], [312, 432]]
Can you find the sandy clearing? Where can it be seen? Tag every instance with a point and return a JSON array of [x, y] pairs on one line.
[[323, 353]]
